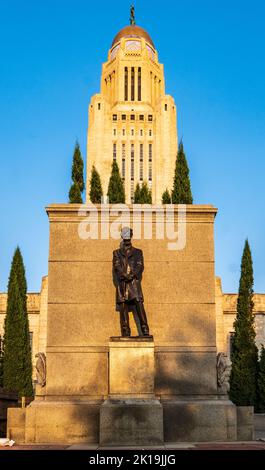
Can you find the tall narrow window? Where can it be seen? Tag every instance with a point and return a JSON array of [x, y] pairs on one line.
[[114, 151], [132, 162], [132, 84], [141, 162], [150, 157], [123, 161], [126, 84], [139, 84], [132, 192]]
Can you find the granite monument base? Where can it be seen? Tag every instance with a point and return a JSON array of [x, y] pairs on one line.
[[199, 420], [131, 422]]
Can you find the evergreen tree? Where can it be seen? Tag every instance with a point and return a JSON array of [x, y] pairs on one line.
[[146, 194], [261, 382], [17, 366], [116, 192], [75, 194], [142, 195], [181, 193], [95, 187], [78, 186], [78, 168], [137, 194], [166, 199], [243, 380]]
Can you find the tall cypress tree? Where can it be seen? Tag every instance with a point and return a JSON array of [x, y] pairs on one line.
[[78, 186], [166, 198], [243, 380], [142, 195], [261, 382], [17, 366], [116, 192], [137, 194], [181, 193], [146, 194], [96, 192], [75, 196]]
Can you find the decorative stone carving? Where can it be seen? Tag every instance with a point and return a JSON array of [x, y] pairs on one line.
[[41, 369], [223, 366]]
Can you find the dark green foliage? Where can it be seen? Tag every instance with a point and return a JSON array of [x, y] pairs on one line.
[[116, 192], [166, 199], [243, 380], [78, 168], [137, 194], [95, 187], [78, 186], [146, 194], [261, 382], [142, 195], [17, 368], [181, 193], [75, 194]]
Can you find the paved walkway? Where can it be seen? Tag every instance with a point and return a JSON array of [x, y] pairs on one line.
[[253, 445]]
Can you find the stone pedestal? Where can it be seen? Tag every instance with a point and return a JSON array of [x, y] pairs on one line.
[[131, 367], [131, 415]]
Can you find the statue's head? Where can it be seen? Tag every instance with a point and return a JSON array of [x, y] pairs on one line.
[[126, 234]]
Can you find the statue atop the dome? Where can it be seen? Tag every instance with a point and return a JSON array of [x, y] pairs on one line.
[[132, 19]]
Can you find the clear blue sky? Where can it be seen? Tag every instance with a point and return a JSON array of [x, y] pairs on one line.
[[50, 63]]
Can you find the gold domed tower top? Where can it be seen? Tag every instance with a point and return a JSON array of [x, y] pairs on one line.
[[132, 31], [132, 120]]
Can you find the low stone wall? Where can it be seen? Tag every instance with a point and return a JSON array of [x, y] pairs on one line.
[[259, 424]]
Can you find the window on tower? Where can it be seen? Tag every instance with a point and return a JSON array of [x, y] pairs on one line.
[[123, 117], [132, 162], [126, 84], [141, 117], [115, 151], [132, 84], [141, 162], [123, 161], [132, 117], [115, 117], [150, 117], [132, 192], [150, 158], [139, 84]]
